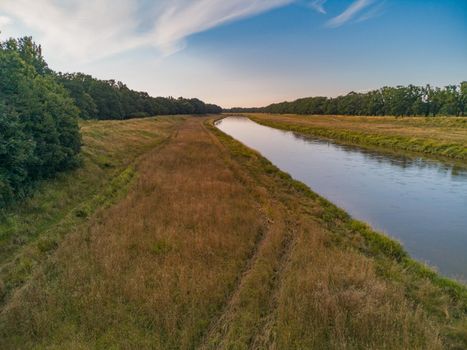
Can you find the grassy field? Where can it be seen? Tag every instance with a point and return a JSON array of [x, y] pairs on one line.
[[32, 230], [440, 136], [184, 238]]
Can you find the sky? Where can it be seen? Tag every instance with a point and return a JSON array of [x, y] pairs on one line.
[[249, 52]]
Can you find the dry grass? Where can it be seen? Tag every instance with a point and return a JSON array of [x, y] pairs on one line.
[[154, 268], [213, 247], [325, 294], [445, 136], [33, 229]]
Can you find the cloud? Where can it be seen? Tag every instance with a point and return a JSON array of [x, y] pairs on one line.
[[4, 20], [183, 18], [373, 12], [87, 30], [318, 5], [349, 13], [81, 30]]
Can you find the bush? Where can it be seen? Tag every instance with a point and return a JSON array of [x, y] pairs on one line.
[[39, 132]]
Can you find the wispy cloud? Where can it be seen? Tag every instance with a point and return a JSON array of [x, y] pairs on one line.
[[350, 12], [183, 18], [318, 5], [88, 29], [372, 12]]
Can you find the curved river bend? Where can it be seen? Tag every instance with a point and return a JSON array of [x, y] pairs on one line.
[[420, 202]]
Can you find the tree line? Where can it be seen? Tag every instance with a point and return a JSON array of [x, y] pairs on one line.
[[110, 99], [40, 109], [396, 101]]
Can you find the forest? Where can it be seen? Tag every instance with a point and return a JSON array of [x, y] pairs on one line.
[[40, 109], [394, 101], [110, 99]]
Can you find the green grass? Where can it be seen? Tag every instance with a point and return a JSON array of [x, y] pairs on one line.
[[438, 143], [444, 300]]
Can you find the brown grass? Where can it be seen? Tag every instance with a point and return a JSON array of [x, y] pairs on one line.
[[213, 249], [154, 268], [33, 229]]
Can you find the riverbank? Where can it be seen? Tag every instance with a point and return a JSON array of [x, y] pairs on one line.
[[211, 246], [423, 198], [440, 136]]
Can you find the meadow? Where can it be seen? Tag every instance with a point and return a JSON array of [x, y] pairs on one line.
[[175, 236], [33, 228], [433, 136]]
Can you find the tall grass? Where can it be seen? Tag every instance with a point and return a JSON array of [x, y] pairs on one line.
[[152, 270], [32, 230], [324, 300], [213, 247]]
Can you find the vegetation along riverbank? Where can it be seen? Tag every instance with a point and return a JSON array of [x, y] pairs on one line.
[[440, 136], [205, 244]]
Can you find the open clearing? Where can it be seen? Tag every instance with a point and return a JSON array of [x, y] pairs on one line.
[[205, 244]]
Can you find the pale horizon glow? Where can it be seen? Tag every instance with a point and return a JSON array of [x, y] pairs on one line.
[[248, 53]]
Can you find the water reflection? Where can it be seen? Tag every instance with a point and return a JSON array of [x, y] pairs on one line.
[[391, 158], [422, 203]]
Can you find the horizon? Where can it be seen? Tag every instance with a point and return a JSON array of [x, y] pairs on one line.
[[243, 54]]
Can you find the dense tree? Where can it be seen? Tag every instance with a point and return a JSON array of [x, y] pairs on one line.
[[38, 121], [15, 152], [450, 101], [463, 99], [397, 101], [30, 53], [109, 99], [78, 87]]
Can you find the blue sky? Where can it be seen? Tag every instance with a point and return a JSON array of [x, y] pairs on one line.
[[249, 52]]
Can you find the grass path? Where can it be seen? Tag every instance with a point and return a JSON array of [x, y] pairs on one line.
[[212, 247], [245, 311]]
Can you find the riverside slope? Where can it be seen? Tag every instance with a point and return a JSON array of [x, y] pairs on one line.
[[440, 136], [213, 247]]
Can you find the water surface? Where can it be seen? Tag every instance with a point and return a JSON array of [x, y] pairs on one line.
[[422, 203]]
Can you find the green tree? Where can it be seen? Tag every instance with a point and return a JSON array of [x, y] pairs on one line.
[[38, 118], [398, 101], [15, 151], [30, 52], [463, 98], [110, 99], [450, 100], [78, 88]]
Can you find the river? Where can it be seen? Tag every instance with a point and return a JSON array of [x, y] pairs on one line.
[[420, 202]]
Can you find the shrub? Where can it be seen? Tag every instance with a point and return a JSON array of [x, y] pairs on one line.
[[39, 132]]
